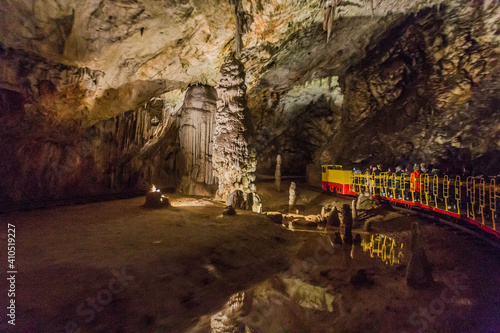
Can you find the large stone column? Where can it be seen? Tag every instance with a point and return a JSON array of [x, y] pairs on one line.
[[233, 162], [196, 139]]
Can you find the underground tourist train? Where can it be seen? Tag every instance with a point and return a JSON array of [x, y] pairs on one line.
[[472, 199]]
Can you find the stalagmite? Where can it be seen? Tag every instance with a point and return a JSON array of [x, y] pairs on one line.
[[333, 218], [419, 269], [292, 201], [354, 214], [347, 216], [233, 161], [277, 173]]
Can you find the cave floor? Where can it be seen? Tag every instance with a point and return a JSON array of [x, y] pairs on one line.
[[116, 267]]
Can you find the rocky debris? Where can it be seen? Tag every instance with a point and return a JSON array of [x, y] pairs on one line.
[[365, 201], [333, 219], [229, 211], [156, 200], [196, 129], [235, 199], [419, 269], [233, 162], [347, 219], [228, 320], [256, 200], [292, 201], [275, 217]]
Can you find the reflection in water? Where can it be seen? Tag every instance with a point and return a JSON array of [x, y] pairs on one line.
[[384, 247]]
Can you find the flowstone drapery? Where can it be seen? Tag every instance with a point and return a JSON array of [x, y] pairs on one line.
[[196, 139], [233, 161]]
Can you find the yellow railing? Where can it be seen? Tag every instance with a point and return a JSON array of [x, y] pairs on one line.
[[476, 197]]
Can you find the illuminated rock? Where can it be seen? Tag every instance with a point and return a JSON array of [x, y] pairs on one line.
[[233, 161], [196, 140]]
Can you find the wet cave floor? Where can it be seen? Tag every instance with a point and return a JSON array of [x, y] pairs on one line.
[[117, 267]]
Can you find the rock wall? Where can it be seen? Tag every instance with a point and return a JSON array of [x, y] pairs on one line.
[[426, 92], [233, 160], [294, 124], [196, 131], [48, 149]]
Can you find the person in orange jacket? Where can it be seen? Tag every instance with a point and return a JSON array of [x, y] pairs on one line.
[[415, 181]]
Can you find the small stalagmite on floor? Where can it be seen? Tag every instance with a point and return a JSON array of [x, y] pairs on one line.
[[354, 215], [333, 218], [292, 201], [347, 216], [229, 211], [277, 173], [419, 269]]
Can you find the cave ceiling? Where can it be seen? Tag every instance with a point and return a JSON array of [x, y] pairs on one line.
[[186, 41]]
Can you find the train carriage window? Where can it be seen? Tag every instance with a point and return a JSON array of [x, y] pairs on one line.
[[330, 167], [324, 169]]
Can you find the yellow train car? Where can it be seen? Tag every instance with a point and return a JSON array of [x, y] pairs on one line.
[[336, 180]]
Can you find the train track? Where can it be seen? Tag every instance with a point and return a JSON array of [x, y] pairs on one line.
[[456, 224]]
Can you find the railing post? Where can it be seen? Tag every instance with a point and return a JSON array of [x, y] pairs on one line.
[[446, 191], [482, 192], [458, 192], [493, 201]]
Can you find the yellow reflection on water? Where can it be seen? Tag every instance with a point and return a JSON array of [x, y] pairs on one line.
[[385, 248]]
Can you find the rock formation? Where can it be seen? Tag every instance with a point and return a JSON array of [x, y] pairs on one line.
[[292, 197], [354, 214], [196, 131], [277, 173], [422, 91], [233, 161], [229, 319], [333, 218], [347, 219]]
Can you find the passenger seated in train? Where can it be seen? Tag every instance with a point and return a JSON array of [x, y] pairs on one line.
[[415, 182], [399, 172]]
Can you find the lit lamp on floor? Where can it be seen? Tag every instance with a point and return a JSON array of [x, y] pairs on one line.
[[154, 199]]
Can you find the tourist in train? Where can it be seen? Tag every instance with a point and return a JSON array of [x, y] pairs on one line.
[[465, 172], [434, 171], [415, 181], [423, 167], [408, 169], [399, 172], [376, 172], [369, 180]]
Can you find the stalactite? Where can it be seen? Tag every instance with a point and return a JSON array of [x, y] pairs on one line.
[[331, 14], [277, 173], [239, 28]]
